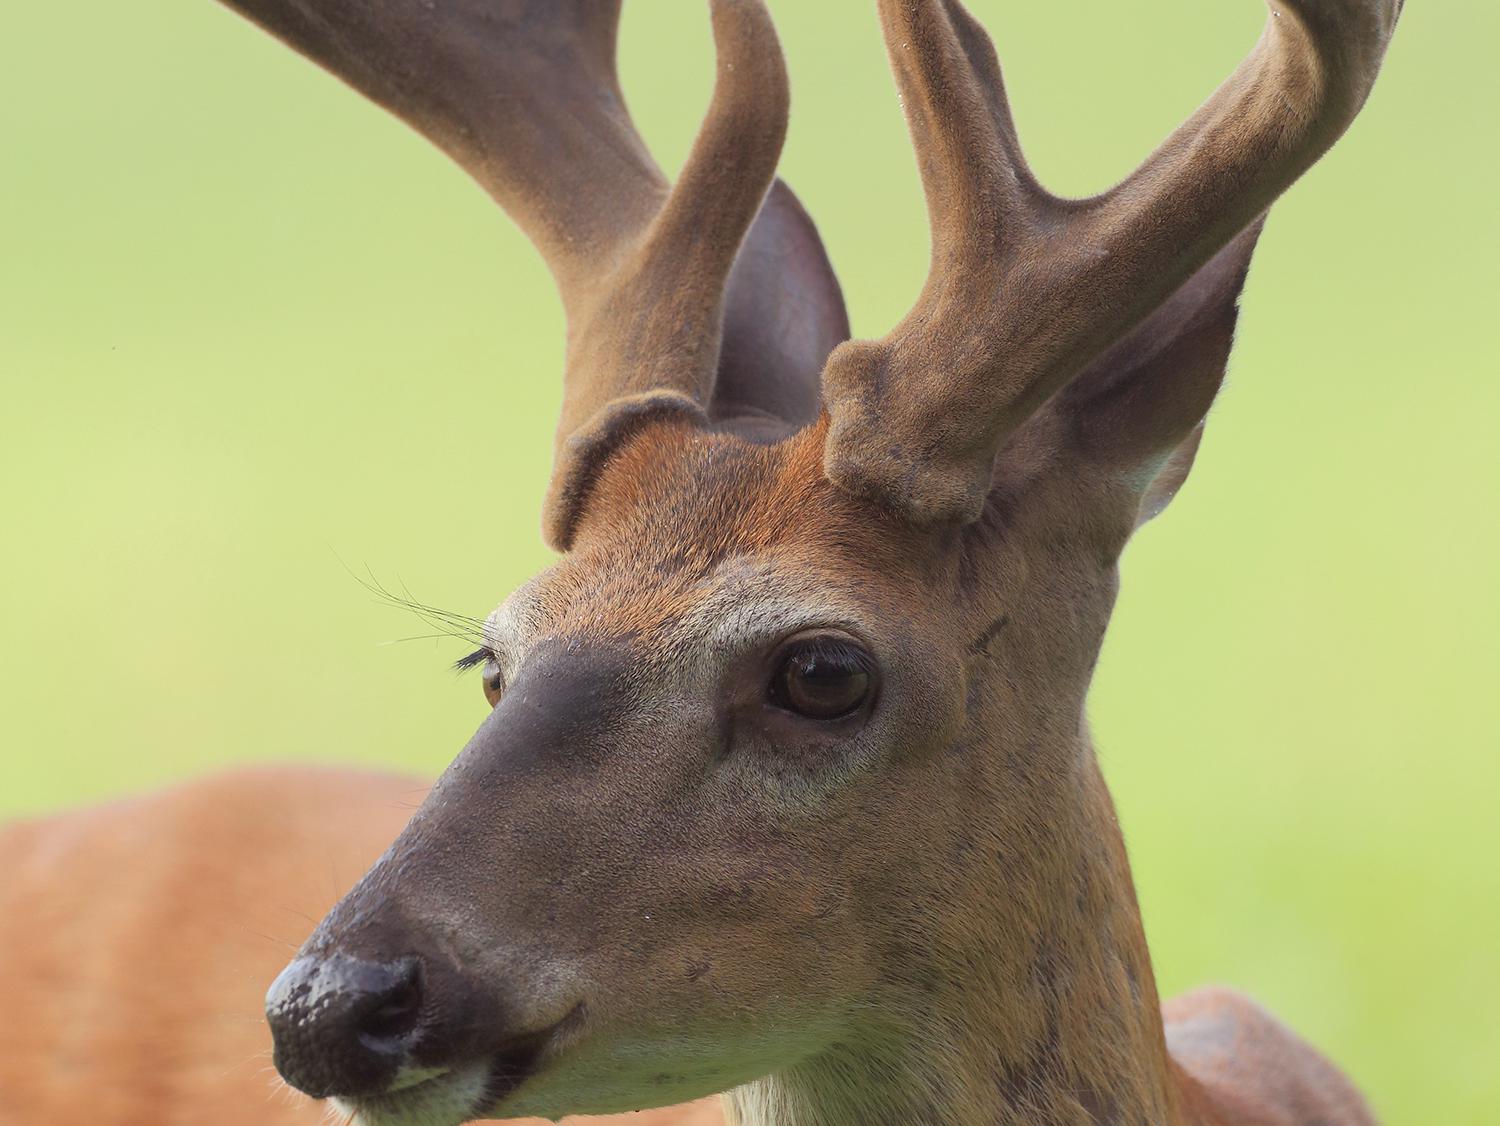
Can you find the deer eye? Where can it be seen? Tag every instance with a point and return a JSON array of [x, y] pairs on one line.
[[494, 683], [822, 677], [489, 666]]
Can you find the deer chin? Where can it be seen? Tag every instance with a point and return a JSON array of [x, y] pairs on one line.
[[449, 1096], [443, 1098]]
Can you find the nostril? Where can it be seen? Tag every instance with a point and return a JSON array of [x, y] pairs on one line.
[[393, 1017], [341, 1025]]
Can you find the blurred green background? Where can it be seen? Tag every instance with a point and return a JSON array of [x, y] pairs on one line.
[[252, 330]]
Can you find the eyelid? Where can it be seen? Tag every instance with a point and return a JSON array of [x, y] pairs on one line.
[[831, 636], [824, 643]]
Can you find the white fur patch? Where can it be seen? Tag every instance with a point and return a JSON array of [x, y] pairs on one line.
[[443, 1098]]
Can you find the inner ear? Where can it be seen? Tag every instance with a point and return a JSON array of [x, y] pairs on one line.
[[1137, 412], [783, 314]]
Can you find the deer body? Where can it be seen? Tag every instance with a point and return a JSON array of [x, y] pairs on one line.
[[786, 790], [136, 937]]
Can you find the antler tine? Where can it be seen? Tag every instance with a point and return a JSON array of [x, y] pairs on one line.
[[1025, 289], [648, 345], [524, 95]]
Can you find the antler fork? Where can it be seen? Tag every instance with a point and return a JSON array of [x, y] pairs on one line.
[[1024, 288]]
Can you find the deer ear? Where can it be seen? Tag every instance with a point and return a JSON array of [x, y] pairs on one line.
[[783, 314], [1137, 412]]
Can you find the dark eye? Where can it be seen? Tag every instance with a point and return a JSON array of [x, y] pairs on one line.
[[494, 683], [822, 678]]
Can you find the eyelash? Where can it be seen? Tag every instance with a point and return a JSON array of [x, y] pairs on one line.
[[473, 661]]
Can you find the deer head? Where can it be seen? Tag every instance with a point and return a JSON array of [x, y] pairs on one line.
[[786, 786]]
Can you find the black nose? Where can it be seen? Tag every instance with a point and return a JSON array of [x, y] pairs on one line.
[[344, 1026]]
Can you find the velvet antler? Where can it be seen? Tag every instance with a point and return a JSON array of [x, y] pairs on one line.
[[524, 95], [1026, 289]]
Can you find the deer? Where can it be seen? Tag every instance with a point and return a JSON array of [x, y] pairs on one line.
[[786, 792]]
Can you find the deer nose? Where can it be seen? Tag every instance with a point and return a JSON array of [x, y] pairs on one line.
[[342, 1025]]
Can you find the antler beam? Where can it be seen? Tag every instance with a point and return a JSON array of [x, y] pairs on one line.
[[1025, 289]]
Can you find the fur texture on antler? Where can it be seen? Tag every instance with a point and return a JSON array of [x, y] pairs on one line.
[[672, 308], [1026, 289], [712, 300]]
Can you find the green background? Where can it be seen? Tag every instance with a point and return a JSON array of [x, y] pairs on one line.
[[251, 330]]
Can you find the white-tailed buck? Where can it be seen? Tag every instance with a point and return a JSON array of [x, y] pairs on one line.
[[786, 791]]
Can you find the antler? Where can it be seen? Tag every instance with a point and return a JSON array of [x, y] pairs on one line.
[[524, 95], [1025, 289]]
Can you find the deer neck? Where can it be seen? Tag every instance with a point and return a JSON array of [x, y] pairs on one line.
[[1045, 1011]]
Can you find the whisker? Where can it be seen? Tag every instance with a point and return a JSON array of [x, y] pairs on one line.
[[419, 637], [443, 623], [300, 914], [269, 938]]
